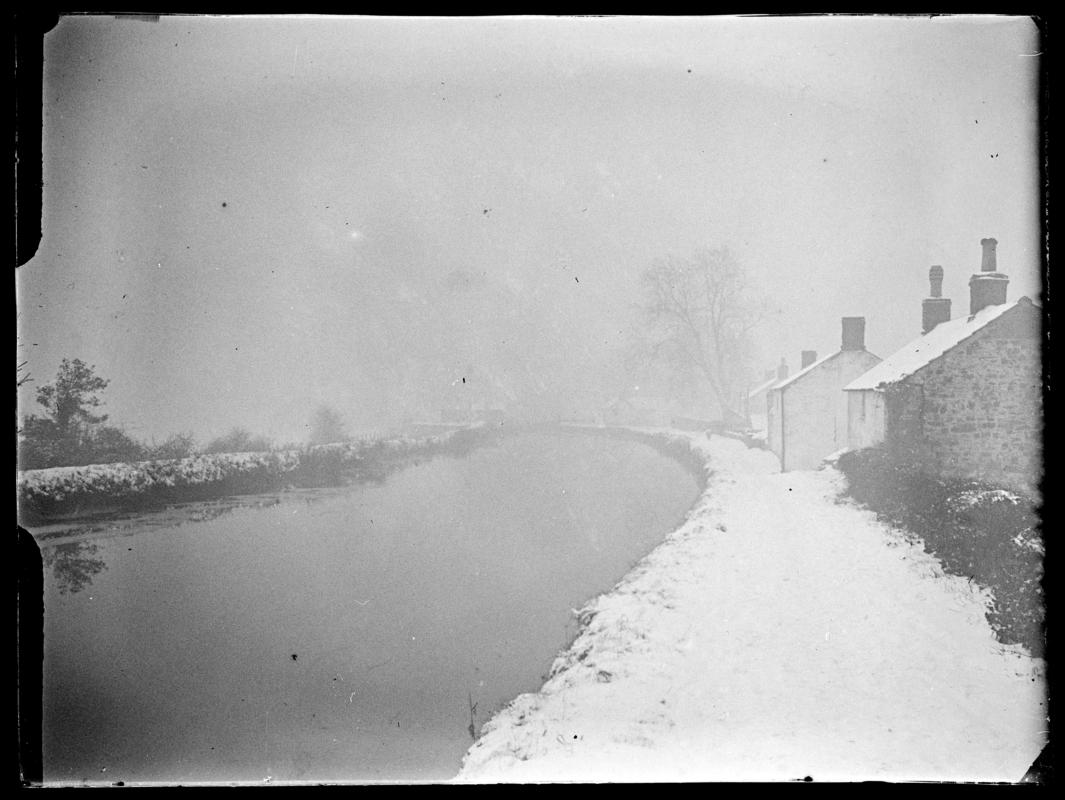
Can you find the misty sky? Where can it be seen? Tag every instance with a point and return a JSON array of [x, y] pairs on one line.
[[244, 217]]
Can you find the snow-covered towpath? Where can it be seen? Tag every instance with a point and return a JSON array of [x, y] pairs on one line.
[[776, 635]]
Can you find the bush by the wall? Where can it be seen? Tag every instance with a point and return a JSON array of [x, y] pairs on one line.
[[986, 533]]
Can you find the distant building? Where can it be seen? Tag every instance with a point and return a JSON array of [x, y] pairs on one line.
[[756, 404], [807, 413], [965, 398]]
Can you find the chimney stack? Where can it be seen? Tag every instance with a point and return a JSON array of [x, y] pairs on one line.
[[808, 358], [782, 370], [988, 286], [936, 308], [853, 333]]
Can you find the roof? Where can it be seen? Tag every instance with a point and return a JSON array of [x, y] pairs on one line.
[[927, 348], [767, 385], [801, 372]]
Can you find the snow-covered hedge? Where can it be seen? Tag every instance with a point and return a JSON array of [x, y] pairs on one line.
[[73, 491]]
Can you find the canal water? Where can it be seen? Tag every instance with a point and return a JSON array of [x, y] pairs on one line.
[[337, 634]]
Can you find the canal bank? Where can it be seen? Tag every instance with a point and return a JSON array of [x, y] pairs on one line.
[[778, 634], [59, 493]]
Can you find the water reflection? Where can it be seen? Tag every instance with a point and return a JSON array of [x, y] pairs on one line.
[[173, 516], [69, 549], [73, 565], [71, 553]]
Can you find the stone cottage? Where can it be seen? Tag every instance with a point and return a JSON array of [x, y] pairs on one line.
[[807, 413], [964, 398]]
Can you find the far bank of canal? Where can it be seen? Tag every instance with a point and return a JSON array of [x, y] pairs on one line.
[[341, 633]]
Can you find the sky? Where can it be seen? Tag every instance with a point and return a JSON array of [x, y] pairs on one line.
[[245, 217]]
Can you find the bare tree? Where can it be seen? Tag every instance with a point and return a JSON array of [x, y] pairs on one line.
[[702, 311], [327, 426]]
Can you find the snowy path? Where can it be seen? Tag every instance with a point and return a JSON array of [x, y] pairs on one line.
[[776, 635]]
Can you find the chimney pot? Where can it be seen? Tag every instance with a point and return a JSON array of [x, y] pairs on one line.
[[989, 261], [808, 358], [853, 333], [782, 370], [935, 281]]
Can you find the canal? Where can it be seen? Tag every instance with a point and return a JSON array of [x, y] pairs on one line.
[[337, 634]]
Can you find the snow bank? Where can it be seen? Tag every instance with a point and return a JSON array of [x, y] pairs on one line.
[[778, 634]]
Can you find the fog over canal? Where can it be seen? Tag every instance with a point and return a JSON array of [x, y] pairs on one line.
[[339, 633]]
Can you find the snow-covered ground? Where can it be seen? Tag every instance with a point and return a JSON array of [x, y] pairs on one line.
[[778, 634]]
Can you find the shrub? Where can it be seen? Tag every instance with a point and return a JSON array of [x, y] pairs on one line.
[[978, 531], [178, 445], [239, 440], [41, 445], [108, 445]]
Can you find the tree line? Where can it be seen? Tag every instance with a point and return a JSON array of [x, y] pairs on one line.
[[69, 431], [694, 338]]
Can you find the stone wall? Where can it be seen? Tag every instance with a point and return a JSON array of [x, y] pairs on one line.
[[976, 412]]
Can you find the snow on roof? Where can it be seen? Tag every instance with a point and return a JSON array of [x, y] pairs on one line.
[[767, 385], [927, 348], [801, 372]]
